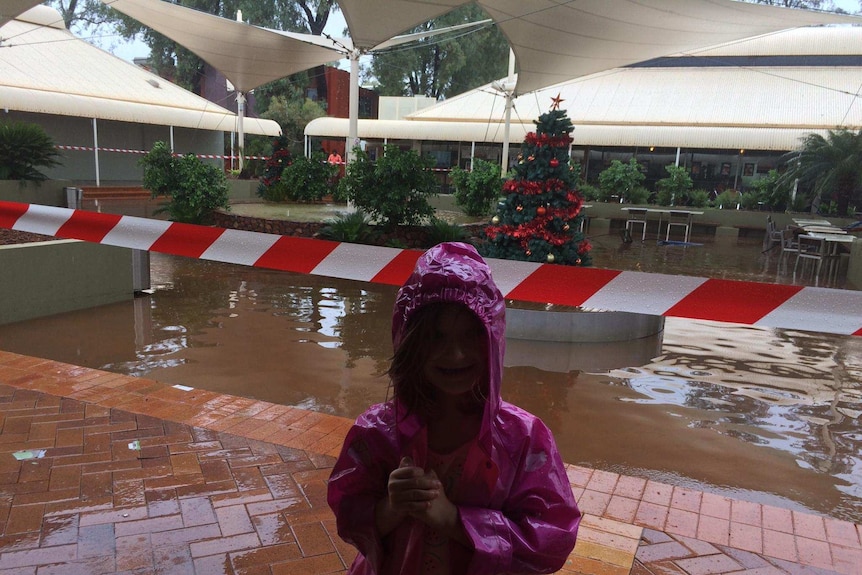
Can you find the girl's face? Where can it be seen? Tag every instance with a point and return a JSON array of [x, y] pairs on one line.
[[457, 357]]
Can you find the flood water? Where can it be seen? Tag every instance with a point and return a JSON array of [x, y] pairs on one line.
[[766, 415]]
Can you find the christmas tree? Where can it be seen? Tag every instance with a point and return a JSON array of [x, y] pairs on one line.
[[539, 217]]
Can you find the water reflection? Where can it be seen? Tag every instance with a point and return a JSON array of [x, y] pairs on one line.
[[767, 415]]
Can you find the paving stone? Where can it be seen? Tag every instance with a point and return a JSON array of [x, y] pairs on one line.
[[204, 500]]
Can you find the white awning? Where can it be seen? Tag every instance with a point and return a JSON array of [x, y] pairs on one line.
[[607, 135], [45, 69]]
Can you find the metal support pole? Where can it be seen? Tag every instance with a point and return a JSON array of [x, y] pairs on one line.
[[96, 151]]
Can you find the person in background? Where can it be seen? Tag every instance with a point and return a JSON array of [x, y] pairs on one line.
[[335, 158], [446, 477]]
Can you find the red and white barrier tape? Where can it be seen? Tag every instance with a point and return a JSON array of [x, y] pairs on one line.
[[753, 303], [119, 150]]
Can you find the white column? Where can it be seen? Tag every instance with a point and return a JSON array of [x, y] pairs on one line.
[[353, 128], [96, 151], [240, 107], [509, 89]]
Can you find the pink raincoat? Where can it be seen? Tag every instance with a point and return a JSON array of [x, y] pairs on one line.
[[515, 501]]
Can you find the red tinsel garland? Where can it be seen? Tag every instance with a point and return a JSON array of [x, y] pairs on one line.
[[545, 140]]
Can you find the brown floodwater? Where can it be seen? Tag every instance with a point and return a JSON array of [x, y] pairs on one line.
[[767, 415]]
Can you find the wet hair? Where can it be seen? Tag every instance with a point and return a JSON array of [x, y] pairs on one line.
[[406, 369]]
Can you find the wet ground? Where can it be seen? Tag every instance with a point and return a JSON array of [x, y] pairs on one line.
[[771, 416]]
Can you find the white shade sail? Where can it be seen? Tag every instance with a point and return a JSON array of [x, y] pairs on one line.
[[45, 69], [248, 56], [715, 104], [11, 9], [557, 41]]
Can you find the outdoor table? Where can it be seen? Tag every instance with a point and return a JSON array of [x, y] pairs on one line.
[[811, 222], [824, 230], [686, 217], [833, 243]]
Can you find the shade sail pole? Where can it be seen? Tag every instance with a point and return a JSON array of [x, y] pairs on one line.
[[96, 151], [353, 129], [240, 114], [509, 91]]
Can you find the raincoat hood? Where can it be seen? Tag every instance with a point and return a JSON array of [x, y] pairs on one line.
[[455, 273]]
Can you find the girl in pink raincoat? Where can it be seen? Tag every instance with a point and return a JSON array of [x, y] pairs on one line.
[[447, 477]]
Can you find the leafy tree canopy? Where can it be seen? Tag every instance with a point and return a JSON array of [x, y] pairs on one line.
[[441, 68]]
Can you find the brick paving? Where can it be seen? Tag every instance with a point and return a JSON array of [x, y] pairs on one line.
[[105, 473]]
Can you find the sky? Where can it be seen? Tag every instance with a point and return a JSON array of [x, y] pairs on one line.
[[335, 27]]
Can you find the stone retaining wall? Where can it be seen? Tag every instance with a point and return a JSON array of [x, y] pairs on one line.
[[410, 236]]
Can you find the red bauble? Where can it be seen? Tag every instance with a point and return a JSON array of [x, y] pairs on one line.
[[554, 162], [541, 210], [519, 208]]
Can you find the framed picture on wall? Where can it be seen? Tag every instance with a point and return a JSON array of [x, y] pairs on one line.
[[725, 168], [748, 169]]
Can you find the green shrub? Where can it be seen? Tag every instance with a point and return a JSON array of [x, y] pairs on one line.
[[23, 148], [195, 189], [353, 228], [727, 200], [621, 180], [590, 192], [307, 179], [772, 192], [749, 200], [394, 190], [442, 231], [698, 198], [476, 192], [638, 195], [675, 189]]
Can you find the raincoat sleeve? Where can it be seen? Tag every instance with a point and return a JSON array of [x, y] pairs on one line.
[[536, 528], [357, 482]]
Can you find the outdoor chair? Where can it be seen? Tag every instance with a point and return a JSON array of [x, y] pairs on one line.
[[813, 250], [637, 216], [774, 236], [679, 219]]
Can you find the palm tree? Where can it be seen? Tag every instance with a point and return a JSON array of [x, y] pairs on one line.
[[830, 166], [24, 147]]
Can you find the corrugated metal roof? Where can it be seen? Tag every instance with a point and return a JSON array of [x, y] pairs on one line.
[[48, 70]]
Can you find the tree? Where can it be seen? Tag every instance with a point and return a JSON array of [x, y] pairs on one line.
[[169, 59], [674, 190], [440, 68], [831, 167], [477, 191], [624, 181], [538, 219], [807, 4], [195, 188], [394, 190], [23, 148], [293, 115]]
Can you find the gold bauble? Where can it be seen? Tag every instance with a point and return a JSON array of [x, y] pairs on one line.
[[551, 258], [495, 220]]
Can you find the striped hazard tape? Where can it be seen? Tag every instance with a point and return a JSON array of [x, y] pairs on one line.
[[753, 303], [143, 152]]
